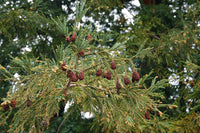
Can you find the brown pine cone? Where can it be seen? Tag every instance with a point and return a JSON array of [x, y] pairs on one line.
[[74, 77], [13, 103], [135, 76], [89, 38], [81, 53], [28, 102], [73, 37], [192, 83], [105, 74], [118, 86], [126, 80], [99, 72], [63, 66], [113, 65], [81, 75], [69, 73], [108, 75], [67, 40], [6, 107]]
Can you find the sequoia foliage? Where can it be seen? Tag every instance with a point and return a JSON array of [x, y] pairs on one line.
[[131, 77]]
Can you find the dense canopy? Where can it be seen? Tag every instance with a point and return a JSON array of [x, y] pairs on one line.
[[133, 72]]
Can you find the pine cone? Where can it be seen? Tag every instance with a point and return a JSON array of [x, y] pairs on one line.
[[6, 107], [81, 53], [13, 103], [67, 40], [89, 38], [118, 86], [28, 102], [135, 76], [108, 75], [126, 80], [69, 73], [74, 77], [113, 65], [81, 75], [192, 83], [63, 66], [73, 37], [105, 74], [147, 116], [99, 72]]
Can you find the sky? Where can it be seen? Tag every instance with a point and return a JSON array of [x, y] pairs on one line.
[[129, 15]]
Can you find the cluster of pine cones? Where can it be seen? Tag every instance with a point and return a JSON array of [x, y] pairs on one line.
[[74, 77], [6, 106], [107, 74]]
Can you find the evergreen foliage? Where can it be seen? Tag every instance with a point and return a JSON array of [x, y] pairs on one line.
[[123, 75], [45, 84]]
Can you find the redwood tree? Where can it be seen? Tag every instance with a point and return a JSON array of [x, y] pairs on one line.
[[119, 76]]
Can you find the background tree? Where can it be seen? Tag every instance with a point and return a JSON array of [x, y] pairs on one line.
[[168, 30], [117, 106]]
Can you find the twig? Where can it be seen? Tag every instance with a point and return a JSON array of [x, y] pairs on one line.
[[90, 68], [68, 86], [154, 36], [63, 121]]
